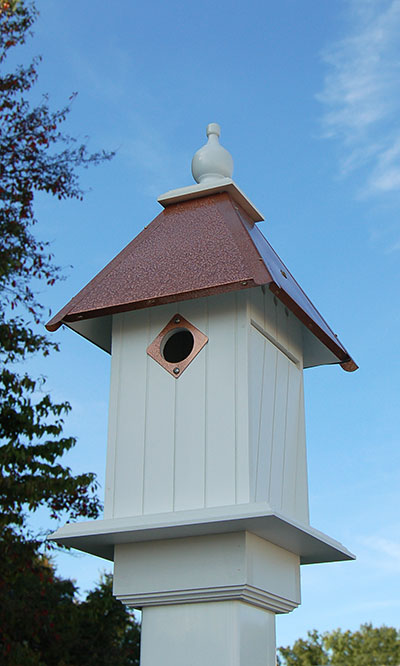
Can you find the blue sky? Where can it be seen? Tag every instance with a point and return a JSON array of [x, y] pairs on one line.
[[307, 95]]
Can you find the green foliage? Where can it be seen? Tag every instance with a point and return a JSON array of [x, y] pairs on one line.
[[108, 632], [35, 156], [42, 623], [35, 618], [369, 646], [308, 652]]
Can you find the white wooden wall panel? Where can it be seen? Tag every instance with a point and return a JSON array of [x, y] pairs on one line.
[[283, 327], [279, 431], [220, 403], [130, 409], [266, 422], [190, 432], [278, 470], [256, 381], [271, 304], [159, 451], [301, 495], [281, 324], [242, 399], [189, 486], [230, 430], [288, 503], [180, 443], [109, 494], [257, 305], [158, 495]]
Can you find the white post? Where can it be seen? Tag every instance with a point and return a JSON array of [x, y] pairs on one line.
[[220, 633]]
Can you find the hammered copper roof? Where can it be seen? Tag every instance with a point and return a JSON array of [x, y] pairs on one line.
[[191, 249]]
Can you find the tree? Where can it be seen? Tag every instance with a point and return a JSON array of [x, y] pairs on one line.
[[108, 631], [62, 630], [30, 589], [35, 156], [308, 652], [41, 620], [369, 646]]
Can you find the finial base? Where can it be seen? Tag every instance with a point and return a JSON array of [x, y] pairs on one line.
[[205, 189]]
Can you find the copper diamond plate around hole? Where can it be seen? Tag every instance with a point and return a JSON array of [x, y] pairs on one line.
[[177, 345]]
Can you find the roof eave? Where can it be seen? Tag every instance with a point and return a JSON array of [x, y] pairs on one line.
[[344, 359], [64, 318]]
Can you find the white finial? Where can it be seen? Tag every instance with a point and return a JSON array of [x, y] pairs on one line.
[[212, 162]]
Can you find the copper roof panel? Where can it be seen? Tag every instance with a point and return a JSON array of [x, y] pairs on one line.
[[289, 291], [196, 248], [284, 285]]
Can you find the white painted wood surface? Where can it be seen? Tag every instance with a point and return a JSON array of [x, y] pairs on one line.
[[229, 431], [277, 433], [221, 633], [237, 565]]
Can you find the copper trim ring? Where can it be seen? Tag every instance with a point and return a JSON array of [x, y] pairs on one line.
[[155, 349]]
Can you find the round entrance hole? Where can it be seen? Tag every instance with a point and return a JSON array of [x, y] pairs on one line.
[[177, 345]]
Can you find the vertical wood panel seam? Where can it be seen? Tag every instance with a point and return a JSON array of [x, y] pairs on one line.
[[264, 308], [259, 420], [205, 405], [236, 361], [174, 449], [285, 435], [297, 451], [116, 416], [273, 426], [146, 404]]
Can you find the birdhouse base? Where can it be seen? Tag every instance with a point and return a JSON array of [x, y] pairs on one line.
[[219, 567], [101, 537]]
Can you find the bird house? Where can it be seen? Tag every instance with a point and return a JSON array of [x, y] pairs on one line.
[[206, 502]]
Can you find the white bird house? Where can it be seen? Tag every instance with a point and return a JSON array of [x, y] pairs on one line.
[[206, 507]]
